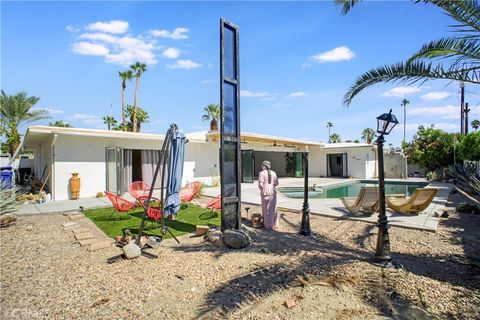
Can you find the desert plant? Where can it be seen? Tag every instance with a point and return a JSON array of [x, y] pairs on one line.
[[432, 175], [8, 205], [465, 175]]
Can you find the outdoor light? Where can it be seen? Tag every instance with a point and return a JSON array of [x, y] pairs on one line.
[[305, 226], [385, 124]]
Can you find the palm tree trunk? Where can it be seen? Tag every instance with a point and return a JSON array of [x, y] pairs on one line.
[[124, 121], [404, 121], [213, 125], [134, 113]]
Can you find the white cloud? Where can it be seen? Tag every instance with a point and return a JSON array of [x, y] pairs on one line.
[[172, 53], [252, 94], [88, 120], [446, 112], [113, 26], [400, 91], [438, 125], [90, 49], [337, 54], [437, 95], [208, 81], [72, 28], [184, 64], [177, 34], [296, 94], [51, 110], [269, 99], [123, 50]]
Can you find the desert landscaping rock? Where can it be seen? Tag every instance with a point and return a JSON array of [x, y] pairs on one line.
[[236, 239], [131, 251]]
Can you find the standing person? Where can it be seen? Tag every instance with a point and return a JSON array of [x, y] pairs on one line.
[[267, 181]]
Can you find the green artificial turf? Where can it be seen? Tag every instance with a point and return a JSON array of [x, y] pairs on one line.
[[187, 218]]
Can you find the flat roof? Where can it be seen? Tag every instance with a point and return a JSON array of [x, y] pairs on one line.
[[256, 137]]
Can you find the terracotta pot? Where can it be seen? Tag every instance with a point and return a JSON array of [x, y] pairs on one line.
[[74, 186], [256, 220]]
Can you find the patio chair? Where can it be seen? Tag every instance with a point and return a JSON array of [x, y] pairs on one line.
[[154, 213], [419, 201], [119, 204], [216, 203], [366, 202], [138, 189], [190, 191]]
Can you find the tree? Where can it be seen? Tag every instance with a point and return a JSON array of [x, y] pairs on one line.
[[404, 104], [335, 138], [461, 51], [329, 125], [59, 123], [15, 111], [431, 148], [475, 124], [142, 117], [109, 121], [212, 113], [138, 69], [125, 76], [469, 147], [368, 134]]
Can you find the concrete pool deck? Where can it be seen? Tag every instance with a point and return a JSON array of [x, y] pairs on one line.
[[334, 207]]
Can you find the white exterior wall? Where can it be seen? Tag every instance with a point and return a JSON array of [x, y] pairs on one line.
[[86, 155], [361, 161], [201, 162]]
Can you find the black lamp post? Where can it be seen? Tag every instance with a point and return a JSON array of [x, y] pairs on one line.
[[385, 124], [305, 228]]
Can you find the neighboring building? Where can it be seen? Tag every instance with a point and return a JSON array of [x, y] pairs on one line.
[[111, 160]]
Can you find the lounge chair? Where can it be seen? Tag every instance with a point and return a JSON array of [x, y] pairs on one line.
[[366, 202], [419, 201], [154, 213], [190, 191], [119, 204], [216, 203], [139, 189]]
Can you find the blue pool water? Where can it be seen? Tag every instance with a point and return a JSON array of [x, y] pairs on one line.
[[352, 189]]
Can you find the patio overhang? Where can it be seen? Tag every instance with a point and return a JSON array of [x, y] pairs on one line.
[[257, 141]]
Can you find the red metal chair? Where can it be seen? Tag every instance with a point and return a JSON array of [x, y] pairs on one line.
[[216, 203], [120, 204], [138, 189], [154, 213], [190, 191]]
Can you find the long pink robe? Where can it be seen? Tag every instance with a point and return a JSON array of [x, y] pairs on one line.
[[268, 193]]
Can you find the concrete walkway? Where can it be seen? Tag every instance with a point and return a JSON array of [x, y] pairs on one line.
[[334, 207]]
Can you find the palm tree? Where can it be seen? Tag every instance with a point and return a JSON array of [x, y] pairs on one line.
[[462, 52], [404, 104], [109, 121], [142, 117], [125, 75], [368, 134], [138, 68], [59, 123], [212, 113], [329, 125], [16, 111], [335, 138], [475, 124]]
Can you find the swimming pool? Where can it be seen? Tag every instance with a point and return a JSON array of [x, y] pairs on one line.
[[351, 189]]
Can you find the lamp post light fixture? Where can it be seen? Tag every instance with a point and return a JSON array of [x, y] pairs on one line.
[[305, 227], [385, 124]]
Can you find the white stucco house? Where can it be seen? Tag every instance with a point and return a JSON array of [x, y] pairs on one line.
[[111, 160]]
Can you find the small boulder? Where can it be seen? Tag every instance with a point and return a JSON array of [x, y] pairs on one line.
[[213, 235], [131, 251], [236, 239], [153, 242]]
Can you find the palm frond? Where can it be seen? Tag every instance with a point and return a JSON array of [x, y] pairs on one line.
[[409, 73], [467, 12], [346, 5], [461, 48]]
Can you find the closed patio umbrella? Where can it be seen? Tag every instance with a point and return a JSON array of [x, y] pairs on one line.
[[175, 173]]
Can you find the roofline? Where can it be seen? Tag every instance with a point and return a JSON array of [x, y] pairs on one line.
[[255, 137], [92, 133]]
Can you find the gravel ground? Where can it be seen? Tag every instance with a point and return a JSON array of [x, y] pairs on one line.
[[46, 274]]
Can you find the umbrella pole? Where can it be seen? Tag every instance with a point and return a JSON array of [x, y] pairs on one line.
[[157, 169]]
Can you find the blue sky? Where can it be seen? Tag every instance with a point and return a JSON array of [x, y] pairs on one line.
[[297, 60]]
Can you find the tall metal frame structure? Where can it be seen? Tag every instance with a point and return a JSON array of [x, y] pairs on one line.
[[230, 143]]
